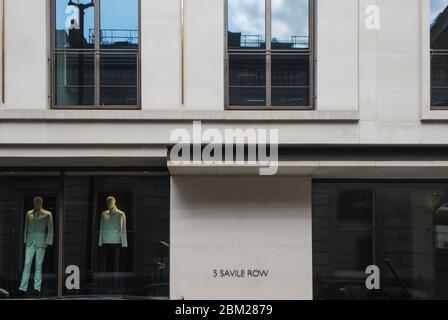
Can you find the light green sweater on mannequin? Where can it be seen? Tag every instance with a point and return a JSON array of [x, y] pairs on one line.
[[113, 228]]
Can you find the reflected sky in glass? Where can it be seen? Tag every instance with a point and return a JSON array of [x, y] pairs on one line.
[[247, 17], [115, 14], [437, 7], [119, 21], [290, 21], [65, 14]]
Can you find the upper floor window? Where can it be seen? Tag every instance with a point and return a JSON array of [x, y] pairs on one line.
[[269, 54], [96, 53], [439, 54]]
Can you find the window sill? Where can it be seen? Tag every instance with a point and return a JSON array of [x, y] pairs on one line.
[[435, 115], [179, 115]]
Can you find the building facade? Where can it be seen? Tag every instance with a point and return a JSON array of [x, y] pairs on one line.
[[92, 92]]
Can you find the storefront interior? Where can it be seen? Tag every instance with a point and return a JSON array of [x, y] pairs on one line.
[[79, 209]]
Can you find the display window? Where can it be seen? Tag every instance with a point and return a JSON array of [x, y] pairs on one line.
[[84, 234], [389, 234]]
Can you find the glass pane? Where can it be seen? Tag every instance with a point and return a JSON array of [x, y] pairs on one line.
[[247, 70], [29, 216], [290, 80], [247, 96], [439, 30], [290, 24], [75, 24], [74, 79], [290, 70], [119, 23], [400, 227], [117, 233], [247, 76], [119, 79], [246, 24], [439, 80], [290, 97]]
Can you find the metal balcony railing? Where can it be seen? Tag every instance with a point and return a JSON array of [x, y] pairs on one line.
[[115, 36], [257, 41]]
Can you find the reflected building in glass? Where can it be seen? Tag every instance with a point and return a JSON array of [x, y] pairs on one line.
[[96, 54]]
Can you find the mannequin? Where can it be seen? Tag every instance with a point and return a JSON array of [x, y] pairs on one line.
[[38, 236], [113, 235]]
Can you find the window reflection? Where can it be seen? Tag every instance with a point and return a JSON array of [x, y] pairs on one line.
[[119, 79], [246, 24], [290, 24], [75, 21], [29, 215], [273, 74], [117, 232], [439, 55], [96, 77], [74, 78], [400, 227], [247, 80], [439, 80], [290, 80], [119, 32]]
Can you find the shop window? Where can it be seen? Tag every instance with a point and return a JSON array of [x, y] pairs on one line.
[[399, 227], [113, 228]]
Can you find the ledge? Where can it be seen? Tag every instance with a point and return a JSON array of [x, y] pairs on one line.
[[435, 116], [177, 115], [326, 169]]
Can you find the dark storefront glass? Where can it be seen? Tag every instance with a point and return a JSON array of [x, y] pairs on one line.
[[136, 263], [28, 241], [400, 227], [114, 228]]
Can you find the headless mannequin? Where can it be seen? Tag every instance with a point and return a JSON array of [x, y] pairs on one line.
[[113, 236], [38, 236]]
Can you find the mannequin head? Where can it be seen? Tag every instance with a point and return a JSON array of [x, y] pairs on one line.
[[38, 203], [111, 203]]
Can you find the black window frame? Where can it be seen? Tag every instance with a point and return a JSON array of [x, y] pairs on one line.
[[97, 52], [269, 52]]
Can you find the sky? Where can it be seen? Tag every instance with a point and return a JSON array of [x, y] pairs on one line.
[[437, 6], [115, 14], [289, 18]]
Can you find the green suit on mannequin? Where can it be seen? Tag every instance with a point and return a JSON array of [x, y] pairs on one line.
[[37, 236]]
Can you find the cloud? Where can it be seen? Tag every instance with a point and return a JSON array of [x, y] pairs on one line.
[[289, 18], [247, 17]]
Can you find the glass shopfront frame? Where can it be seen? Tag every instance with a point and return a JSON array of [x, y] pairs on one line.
[[88, 257]]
